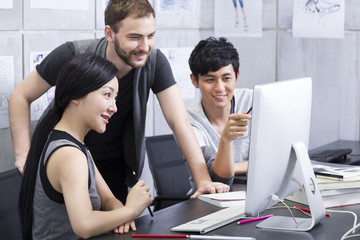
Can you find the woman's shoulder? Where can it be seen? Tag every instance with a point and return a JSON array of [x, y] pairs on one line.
[[66, 150], [68, 156]]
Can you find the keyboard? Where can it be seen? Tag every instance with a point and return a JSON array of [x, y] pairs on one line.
[[212, 221]]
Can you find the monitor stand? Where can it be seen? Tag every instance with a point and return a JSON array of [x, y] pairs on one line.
[[312, 192]]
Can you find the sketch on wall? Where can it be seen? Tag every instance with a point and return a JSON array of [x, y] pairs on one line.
[[235, 18], [7, 80], [319, 18], [178, 59], [39, 105], [183, 6]]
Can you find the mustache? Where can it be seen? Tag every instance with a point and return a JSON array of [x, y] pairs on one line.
[[141, 52]]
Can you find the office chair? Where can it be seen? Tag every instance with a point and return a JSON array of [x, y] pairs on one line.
[[10, 182], [169, 171]]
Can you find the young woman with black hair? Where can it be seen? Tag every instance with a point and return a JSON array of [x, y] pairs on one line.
[[63, 195]]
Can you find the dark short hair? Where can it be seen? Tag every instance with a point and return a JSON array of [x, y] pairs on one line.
[[211, 55], [118, 10]]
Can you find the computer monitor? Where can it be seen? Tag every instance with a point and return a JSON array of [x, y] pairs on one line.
[[278, 160]]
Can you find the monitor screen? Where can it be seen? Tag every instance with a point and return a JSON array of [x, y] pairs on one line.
[[281, 116]]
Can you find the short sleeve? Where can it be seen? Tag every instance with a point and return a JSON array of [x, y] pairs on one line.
[[50, 67], [164, 77], [216, 178]]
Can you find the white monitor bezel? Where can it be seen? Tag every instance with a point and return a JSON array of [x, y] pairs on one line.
[[281, 117]]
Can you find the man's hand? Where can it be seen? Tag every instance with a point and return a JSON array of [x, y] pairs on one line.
[[211, 187], [236, 126]]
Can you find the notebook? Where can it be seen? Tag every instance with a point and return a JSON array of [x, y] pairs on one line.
[[226, 199]]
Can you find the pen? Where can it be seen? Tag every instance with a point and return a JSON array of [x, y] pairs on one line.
[[249, 110], [151, 213], [308, 210], [190, 236], [255, 219]]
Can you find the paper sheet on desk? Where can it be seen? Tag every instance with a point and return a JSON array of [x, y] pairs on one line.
[[225, 199]]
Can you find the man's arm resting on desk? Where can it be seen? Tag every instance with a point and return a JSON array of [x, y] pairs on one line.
[[31, 88], [241, 167], [175, 114]]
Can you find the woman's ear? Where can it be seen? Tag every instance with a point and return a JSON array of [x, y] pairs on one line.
[[194, 81]]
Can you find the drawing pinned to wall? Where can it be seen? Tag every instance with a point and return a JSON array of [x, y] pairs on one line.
[[178, 59], [235, 18], [36, 58], [6, 4], [39, 105], [318, 18], [60, 4], [7, 81], [183, 6]]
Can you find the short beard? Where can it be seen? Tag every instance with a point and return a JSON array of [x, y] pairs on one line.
[[127, 58]]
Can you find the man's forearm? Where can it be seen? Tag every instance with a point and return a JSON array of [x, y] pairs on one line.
[[19, 118], [192, 153], [223, 164], [27, 91], [176, 116], [241, 167]]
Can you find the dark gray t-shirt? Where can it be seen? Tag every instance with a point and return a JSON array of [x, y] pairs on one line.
[[124, 136]]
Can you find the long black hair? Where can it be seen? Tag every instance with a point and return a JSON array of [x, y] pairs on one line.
[[83, 74]]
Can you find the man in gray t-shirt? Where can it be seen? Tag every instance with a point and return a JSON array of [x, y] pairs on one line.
[[220, 119]]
